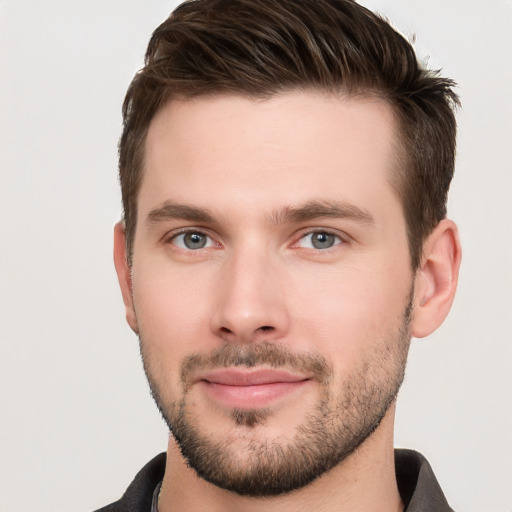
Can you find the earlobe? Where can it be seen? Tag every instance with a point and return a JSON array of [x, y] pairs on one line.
[[436, 279], [124, 274]]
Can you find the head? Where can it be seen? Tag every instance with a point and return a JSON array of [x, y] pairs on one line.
[[258, 49], [284, 168]]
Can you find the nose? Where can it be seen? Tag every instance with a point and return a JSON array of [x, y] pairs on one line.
[[251, 300]]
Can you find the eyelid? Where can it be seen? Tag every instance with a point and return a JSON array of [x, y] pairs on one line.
[[170, 236], [342, 236], [173, 234]]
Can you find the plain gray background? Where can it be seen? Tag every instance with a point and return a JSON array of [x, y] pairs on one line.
[[77, 421]]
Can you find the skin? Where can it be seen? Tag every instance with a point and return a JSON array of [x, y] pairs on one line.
[[259, 279]]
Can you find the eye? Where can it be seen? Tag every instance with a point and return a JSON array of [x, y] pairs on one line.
[[319, 240], [192, 240]]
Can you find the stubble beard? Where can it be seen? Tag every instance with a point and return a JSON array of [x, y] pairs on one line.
[[334, 429]]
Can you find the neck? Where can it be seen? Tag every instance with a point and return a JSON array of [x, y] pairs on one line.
[[364, 481]]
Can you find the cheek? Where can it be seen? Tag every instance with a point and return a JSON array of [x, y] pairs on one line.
[[171, 311], [347, 312]]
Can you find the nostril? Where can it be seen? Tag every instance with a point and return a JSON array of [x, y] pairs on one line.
[[266, 328], [225, 330]]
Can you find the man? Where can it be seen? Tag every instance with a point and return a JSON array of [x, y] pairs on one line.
[[284, 169]]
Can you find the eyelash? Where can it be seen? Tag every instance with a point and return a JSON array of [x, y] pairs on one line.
[[171, 239], [182, 233], [338, 238]]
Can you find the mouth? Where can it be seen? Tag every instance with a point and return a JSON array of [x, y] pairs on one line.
[[250, 389]]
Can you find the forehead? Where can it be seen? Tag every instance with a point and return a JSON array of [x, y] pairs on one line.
[[231, 151]]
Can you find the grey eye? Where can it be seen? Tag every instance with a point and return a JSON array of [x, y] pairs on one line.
[[319, 240], [192, 240], [322, 240]]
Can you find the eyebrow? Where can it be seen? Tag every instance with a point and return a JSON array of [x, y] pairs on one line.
[[169, 211], [289, 214], [322, 209]]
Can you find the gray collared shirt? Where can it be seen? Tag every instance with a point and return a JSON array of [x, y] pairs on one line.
[[156, 493]]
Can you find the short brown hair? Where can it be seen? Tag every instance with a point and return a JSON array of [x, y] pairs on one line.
[[263, 47]]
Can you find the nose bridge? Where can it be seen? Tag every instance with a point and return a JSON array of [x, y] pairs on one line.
[[251, 303]]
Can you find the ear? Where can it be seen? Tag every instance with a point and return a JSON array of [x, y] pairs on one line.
[[124, 274], [436, 279]]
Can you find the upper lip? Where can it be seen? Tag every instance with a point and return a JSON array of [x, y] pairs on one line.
[[249, 377]]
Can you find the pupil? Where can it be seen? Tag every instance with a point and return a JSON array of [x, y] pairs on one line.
[[195, 240], [322, 240]]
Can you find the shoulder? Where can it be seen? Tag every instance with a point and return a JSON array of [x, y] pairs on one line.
[[417, 483], [139, 494]]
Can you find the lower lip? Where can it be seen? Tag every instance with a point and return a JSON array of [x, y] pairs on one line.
[[251, 397]]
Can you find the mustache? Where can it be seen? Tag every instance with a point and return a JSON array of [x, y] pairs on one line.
[[260, 354]]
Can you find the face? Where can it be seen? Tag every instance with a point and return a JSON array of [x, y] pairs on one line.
[[271, 282]]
